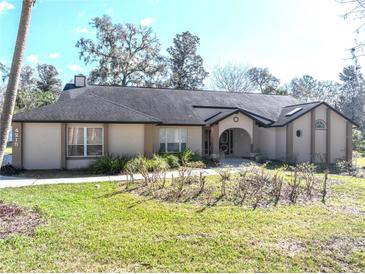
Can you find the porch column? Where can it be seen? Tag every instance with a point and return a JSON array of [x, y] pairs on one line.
[[289, 143], [214, 135], [313, 137], [328, 136], [348, 141], [106, 139], [17, 145], [63, 145], [148, 140]]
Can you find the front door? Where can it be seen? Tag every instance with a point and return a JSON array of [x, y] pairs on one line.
[[226, 142]]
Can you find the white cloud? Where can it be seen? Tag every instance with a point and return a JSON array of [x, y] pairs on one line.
[[74, 67], [54, 55], [81, 14], [4, 6], [110, 11], [33, 58], [79, 29], [147, 21]]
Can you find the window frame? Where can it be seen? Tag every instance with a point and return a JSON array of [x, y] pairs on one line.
[[85, 144], [180, 129], [321, 121]]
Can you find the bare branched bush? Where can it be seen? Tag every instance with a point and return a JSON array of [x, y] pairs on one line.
[[202, 181], [294, 187], [306, 173], [277, 185], [324, 187], [224, 178], [346, 167], [183, 179]]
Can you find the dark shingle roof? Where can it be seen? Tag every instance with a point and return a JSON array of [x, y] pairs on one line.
[[176, 106], [167, 106], [303, 108], [85, 109]]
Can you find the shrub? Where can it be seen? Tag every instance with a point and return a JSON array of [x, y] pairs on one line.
[[306, 172], [197, 164], [344, 166], [157, 163], [109, 164], [260, 158], [186, 156], [358, 139], [9, 170], [139, 165], [172, 160]]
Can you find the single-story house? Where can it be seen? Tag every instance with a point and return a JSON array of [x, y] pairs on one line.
[[89, 121]]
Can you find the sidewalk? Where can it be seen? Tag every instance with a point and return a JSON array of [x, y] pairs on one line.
[[7, 181]]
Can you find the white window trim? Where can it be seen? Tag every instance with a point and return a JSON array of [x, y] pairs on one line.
[[180, 139], [321, 121], [85, 142]]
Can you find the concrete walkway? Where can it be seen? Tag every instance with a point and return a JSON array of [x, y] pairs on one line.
[[8, 181]]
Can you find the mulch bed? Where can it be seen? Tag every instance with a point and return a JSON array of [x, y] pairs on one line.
[[17, 220]]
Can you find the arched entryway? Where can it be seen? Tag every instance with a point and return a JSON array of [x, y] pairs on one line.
[[235, 142]]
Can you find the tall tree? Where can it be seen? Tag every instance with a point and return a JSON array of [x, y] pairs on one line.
[[232, 77], [352, 98], [187, 71], [308, 89], [28, 79], [48, 79], [262, 79], [125, 55], [11, 90]]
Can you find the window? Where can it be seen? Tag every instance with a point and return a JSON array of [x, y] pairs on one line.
[[290, 113], [320, 124], [84, 141], [173, 140], [299, 133]]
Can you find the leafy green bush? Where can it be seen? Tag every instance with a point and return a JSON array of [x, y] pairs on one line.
[[109, 164], [172, 160], [157, 163], [188, 156], [358, 140]]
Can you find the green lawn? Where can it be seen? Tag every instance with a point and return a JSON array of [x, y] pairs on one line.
[[8, 149], [90, 229]]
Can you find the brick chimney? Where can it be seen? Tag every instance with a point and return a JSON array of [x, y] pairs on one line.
[[80, 81]]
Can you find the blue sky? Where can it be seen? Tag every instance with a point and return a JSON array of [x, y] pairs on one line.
[[290, 37]]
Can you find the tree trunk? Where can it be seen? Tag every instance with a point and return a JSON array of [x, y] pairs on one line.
[[11, 90]]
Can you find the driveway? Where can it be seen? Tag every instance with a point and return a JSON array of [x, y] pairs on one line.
[[9, 181]]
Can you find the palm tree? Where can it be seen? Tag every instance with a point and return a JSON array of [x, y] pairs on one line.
[[11, 90]]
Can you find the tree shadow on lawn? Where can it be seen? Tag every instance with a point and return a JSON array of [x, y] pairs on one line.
[[17, 220]]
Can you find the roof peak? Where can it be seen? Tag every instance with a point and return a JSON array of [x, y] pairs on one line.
[[187, 90], [301, 104]]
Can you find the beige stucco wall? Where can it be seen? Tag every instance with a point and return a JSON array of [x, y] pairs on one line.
[[126, 139], [338, 137], [280, 143], [194, 142], [241, 143], [267, 142], [244, 122], [302, 145], [42, 145]]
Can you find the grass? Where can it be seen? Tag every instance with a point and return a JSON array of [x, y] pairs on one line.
[[102, 229], [359, 159], [57, 173], [9, 149]]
